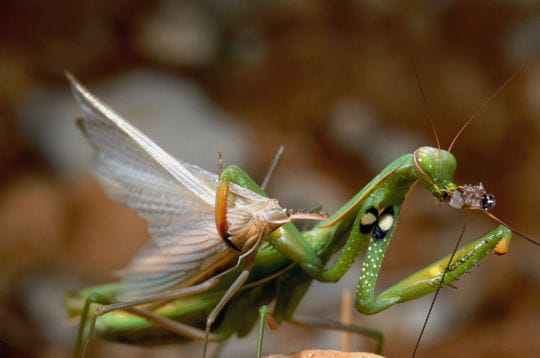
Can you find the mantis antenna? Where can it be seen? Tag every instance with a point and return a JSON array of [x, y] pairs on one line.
[[475, 114], [424, 98], [483, 105], [511, 228], [439, 287]]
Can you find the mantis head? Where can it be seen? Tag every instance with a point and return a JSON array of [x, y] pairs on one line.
[[436, 168]]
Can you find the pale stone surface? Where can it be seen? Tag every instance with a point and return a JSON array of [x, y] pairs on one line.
[[318, 353]]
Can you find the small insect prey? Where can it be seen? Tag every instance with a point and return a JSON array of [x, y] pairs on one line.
[[471, 197]]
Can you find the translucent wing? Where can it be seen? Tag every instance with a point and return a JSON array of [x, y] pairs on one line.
[[177, 199]]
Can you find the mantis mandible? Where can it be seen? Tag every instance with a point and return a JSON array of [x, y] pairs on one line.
[[220, 249]]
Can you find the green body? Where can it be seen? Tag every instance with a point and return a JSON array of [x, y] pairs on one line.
[[274, 278]]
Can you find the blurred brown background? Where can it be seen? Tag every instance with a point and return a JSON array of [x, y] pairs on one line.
[[334, 82]]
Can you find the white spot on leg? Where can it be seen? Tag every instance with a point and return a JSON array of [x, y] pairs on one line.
[[368, 219], [386, 222]]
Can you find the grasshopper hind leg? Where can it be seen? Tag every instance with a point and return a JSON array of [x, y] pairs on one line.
[[236, 285]]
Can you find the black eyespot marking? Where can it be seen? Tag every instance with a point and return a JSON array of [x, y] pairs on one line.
[[368, 220], [384, 223], [389, 210]]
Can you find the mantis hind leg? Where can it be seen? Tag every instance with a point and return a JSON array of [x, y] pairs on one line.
[[109, 305], [92, 298], [324, 323], [265, 317], [315, 322], [179, 328]]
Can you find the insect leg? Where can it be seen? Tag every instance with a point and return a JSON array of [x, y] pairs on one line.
[[235, 286], [428, 279], [359, 220], [315, 322], [92, 298], [109, 307], [323, 323], [221, 213], [373, 225], [179, 328], [264, 317], [287, 239]]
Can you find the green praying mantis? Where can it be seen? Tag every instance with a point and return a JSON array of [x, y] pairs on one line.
[[221, 250]]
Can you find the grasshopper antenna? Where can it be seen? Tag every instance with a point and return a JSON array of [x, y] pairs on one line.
[[511, 228], [483, 105], [424, 98], [272, 168], [439, 287], [220, 163]]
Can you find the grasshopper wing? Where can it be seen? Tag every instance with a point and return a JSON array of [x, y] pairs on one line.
[[176, 198]]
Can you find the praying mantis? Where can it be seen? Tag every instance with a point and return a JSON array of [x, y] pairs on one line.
[[221, 250]]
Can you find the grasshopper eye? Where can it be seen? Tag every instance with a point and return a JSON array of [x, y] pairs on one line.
[[488, 201]]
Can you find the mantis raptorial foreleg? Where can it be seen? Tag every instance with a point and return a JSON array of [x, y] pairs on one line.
[[416, 285], [427, 280], [369, 220]]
